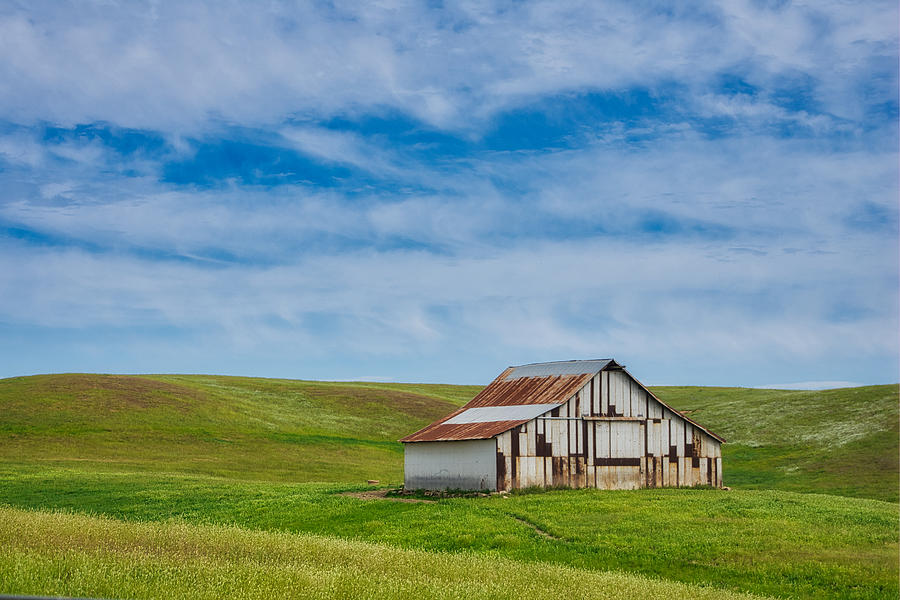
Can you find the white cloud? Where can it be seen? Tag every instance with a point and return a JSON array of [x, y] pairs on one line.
[[523, 297], [514, 254], [172, 67]]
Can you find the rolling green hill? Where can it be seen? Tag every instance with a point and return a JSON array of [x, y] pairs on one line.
[[228, 426], [835, 441], [272, 456]]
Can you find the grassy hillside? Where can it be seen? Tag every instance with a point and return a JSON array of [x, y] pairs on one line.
[[228, 426], [835, 441], [843, 441]]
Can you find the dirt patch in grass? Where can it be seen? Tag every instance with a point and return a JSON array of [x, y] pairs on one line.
[[383, 495], [116, 392]]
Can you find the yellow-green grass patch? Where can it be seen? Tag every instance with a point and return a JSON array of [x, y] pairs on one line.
[[77, 555]]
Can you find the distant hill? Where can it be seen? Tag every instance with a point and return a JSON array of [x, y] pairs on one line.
[[835, 441]]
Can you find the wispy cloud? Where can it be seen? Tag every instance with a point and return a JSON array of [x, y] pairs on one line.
[[708, 191]]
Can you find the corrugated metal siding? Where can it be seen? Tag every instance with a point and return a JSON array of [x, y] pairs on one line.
[[463, 465]]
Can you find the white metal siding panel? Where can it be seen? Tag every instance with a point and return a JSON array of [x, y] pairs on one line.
[[640, 400], [559, 441], [465, 465], [619, 394], [603, 439], [488, 414], [604, 395], [655, 410]]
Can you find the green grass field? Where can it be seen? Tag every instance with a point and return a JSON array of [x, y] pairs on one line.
[[263, 461]]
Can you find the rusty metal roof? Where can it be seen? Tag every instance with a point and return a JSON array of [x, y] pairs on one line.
[[539, 386], [549, 391]]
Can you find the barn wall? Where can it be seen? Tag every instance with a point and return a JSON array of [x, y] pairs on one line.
[[458, 465], [612, 435]]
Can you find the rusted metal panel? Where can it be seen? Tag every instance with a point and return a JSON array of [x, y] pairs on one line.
[[502, 392], [533, 390], [697, 441], [620, 462], [514, 439], [437, 432]]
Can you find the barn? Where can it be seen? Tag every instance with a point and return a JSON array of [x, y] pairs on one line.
[[578, 423]]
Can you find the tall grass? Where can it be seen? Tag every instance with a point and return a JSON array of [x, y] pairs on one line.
[[77, 555]]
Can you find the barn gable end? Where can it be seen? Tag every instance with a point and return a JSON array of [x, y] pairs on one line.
[[572, 424]]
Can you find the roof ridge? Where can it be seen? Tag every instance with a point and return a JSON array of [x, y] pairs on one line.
[[554, 362]]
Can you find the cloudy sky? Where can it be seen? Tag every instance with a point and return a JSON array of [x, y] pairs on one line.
[[706, 192]]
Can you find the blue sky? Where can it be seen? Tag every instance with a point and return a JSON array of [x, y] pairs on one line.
[[433, 191]]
